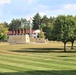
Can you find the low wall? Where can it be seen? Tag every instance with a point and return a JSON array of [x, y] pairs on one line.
[[18, 39], [38, 40]]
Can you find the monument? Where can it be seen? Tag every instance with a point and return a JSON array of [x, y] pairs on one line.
[[18, 37]]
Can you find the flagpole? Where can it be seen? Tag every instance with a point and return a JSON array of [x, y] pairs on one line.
[[30, 29], [22, 26]]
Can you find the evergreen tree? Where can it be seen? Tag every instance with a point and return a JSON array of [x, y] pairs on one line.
[[36, 21]]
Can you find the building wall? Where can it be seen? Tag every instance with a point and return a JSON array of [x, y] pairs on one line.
[[35, 35], [18, 39], [38, 40]]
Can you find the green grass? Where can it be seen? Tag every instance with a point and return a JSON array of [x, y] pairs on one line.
[[37, 59]]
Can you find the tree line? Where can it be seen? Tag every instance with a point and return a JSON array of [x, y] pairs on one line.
[[60, 28]]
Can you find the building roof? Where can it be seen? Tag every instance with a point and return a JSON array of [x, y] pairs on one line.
[[36, 31], [27, 32], [9, 32], [33, 31]]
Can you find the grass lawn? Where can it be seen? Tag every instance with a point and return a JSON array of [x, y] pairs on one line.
[[37, 59]]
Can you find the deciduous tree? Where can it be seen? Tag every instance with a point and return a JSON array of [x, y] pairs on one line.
[[3, 32], [64, 27]]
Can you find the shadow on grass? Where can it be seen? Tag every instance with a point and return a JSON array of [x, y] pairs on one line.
[[70, 47], [43, 50], [39, 50], [64, 56], [52, 72]]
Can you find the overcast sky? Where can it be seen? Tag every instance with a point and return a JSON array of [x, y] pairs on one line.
[[10, 9]]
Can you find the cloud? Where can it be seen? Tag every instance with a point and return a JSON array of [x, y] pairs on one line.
[[4, 2], [28, 8], [65, 9], [30, 1], [70, 6]]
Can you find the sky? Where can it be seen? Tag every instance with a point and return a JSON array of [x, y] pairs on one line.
[[17, 9]]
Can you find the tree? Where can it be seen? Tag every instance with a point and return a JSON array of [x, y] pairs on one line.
[[48, 32], [41, 35], [47, 26], [72, 24], [51, 19], [6, 24], [3, 32], [25, 24], [45, 19], [15, 24], [63, 29], [36, 21], [19, 24]]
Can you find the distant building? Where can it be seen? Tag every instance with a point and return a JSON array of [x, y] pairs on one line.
[[18, 39], [18, 36], [23, 36], [34, 33]]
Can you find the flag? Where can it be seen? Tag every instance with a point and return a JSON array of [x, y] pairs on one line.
[[31, 19]]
